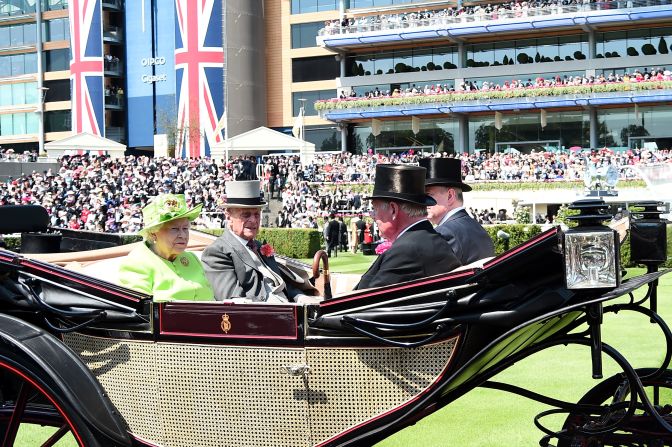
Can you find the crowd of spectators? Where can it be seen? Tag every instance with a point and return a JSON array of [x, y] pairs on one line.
[[473, 13], [101, 194], [644, 75]]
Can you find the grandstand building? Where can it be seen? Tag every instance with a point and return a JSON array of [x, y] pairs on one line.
[[394, 46], [129, 70]]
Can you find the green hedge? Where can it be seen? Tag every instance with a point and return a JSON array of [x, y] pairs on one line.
[[517, 235], [297, 243]]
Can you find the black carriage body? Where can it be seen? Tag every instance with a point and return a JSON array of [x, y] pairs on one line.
[[349, 371]]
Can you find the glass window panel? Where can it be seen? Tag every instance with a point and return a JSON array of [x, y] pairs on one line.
[[304, 34], [612, 44], [19, 124], [637, 39], [403, 61], [384, 63], [31, 93], [525, 51], [6, 124], [32, 123], [445, 58], [504, 54], [57, 121], [30, 62], [59, 90], [18, 67], [18, 94], [421, 58], [327, 5], [482, 55], [315, 69], [547, 49], [6, 95], [572, 47], [16, 35], [5, 66], [361, 4], [4, 36], [29, 33]]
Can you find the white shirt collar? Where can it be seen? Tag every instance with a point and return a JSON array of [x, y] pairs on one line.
[[450, 213], [408, 227], [242, 241]]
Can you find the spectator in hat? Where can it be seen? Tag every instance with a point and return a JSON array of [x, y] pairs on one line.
[[399, 207], [160, 266], [239, 266], [469, 241]]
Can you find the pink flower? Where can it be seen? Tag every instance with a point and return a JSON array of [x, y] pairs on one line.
[[267, 250], [383, 247]]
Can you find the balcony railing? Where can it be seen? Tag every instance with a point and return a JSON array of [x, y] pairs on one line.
[[113, 32], [444, 17], [115, 134], [115, 100], [116, 4], [479, 101], [113, 66]]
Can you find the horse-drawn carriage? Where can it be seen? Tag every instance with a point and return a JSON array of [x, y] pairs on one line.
[[107, 366]]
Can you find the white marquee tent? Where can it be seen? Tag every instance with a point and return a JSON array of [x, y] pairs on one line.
[[85, 143], [262, 141]]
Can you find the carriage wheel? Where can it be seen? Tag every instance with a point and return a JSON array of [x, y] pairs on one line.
[[28, 400], [641, 429]]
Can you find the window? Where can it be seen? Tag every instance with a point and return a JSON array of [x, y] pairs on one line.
[[18, 64], [57, 29], [58, 90], [303, 35], [57, 60], [57, 121], [310, 98], [315, 69], [306, 6], [18, 124]]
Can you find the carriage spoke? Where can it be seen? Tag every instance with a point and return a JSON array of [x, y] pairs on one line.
[[17, 414], [62, 431]]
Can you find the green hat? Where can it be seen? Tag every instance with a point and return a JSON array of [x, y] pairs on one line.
[[165, 208]]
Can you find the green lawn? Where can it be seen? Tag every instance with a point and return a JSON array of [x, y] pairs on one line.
[[493, 418], [347, 262]]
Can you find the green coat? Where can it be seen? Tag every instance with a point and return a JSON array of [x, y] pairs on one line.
[[182, 279]]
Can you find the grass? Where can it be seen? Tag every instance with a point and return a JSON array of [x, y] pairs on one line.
[[347, 262], [493, 418]]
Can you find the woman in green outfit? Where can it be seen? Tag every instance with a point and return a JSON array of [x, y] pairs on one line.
[[160, 266]]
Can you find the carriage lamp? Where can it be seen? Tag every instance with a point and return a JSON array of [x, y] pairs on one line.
[[648, 235], [591, 249]]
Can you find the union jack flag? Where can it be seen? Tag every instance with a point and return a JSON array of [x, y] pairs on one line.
[[86, 66], [199, 69]]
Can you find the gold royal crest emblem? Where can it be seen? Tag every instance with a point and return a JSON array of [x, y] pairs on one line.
[[226, 324]]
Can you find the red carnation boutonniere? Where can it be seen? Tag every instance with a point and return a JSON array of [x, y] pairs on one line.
[[383, 247], [266, 250]]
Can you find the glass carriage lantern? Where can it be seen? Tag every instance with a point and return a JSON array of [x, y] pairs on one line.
[[591, 249], [591, 262], [648, 242], [648, 235]]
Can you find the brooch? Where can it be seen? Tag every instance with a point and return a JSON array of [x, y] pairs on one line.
[[226, 324], [184, 261]]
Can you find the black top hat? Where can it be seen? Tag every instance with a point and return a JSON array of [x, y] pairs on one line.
[[445, 172], [401, 182]]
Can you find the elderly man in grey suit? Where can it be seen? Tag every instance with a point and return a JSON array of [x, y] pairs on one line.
[[443, 183], [240, 267]]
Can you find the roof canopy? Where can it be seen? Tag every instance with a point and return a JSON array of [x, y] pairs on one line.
[[262, 140], [85, 143]]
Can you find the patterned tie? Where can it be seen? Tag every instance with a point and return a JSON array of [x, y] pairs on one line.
[[252, 246]]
